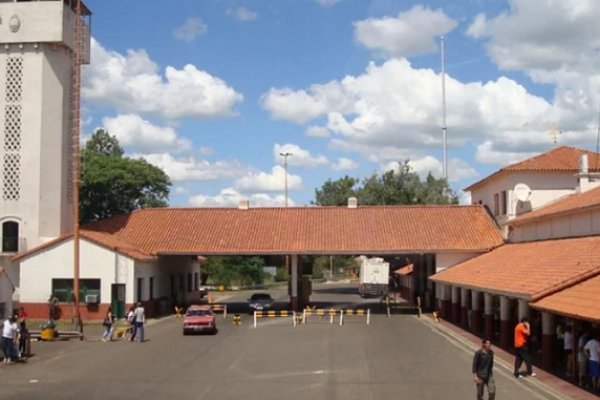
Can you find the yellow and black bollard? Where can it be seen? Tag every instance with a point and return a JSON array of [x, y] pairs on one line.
[[237, 319]]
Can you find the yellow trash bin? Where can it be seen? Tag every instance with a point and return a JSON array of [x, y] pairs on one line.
[[221, 288], [47, 334]]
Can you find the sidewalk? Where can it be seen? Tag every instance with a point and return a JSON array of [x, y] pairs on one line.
[[545, 381]]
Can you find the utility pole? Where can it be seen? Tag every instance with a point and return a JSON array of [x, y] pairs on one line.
[[76, 126], [444, 110], [285, 165]]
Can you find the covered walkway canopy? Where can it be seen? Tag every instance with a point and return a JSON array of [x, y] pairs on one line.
[[375, 230]]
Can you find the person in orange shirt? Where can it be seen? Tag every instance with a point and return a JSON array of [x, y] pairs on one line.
[[522, 333]]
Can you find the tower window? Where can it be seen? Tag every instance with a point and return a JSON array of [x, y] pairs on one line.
[[10, 237]]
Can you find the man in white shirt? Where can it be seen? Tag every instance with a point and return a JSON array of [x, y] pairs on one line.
[[592, 350], [568, 349], [9, 332], [140, 319]]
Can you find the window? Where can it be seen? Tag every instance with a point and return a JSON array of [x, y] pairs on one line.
[[10, 237], [196, 286], [140, 288], [189, 282], [62, 289], [496, 205], [504, 200], [151, 288]]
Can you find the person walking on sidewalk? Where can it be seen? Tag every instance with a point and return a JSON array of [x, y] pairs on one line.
[[522, 354], [483, 365], [140, 319], [592, 350]]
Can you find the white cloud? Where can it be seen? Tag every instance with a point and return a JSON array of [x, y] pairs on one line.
[[132, 83], [457, 168], [205, 150], [411, 33], [487, 154], [478, 27], [139, 135], [327, 3], [258, 181], [392, 108], [180, 190], [190, 30], [344, 164], [192, 169], [317, 131], [299, 157], [242, 14], [230, 197]]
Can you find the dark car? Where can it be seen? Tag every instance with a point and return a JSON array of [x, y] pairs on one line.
[[260, 302]]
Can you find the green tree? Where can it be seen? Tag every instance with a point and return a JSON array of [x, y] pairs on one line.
[[403, 186], [335, 193], [235, 270], [112, 184]]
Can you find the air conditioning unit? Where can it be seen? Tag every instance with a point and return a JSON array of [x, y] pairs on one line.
[[92, 298]]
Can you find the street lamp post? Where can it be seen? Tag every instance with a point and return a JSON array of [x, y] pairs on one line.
[[285, 165]]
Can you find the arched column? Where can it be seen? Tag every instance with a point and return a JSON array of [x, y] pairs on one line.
[[548, 338], [505, 323], [464, 307], [455, 304], [475, 312], [294, 283], [488, 315]]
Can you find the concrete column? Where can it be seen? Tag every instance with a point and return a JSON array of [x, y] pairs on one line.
[[548, 339], [476, 312], [294, 283], [464, 307], [455, 304], [523, 309], [488, 315], [445, 302], [506, 334]]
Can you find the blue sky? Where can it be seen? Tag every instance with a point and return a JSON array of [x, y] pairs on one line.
[[213, 90]]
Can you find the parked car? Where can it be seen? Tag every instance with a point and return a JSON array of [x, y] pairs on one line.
[[260, 302], [199, 319]]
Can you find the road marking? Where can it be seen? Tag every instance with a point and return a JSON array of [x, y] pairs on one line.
[[33, 381]]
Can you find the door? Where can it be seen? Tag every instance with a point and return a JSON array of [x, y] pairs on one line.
[[118, 300]]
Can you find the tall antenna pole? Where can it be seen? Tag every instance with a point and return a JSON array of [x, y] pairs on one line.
[[595, 166], [285, 164], [75, 126], [444, 137]]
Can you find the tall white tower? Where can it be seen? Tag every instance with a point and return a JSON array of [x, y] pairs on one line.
[[36, 68]]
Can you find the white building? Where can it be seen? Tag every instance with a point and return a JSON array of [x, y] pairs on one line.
[[36, 47]]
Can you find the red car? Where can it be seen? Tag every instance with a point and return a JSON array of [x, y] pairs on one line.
[[199, 319]]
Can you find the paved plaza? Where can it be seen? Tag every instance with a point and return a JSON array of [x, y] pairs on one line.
[[400, 357]]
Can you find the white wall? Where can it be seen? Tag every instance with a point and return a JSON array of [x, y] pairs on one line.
[[96, 262], [445, 260], [545, 186], [575, 225], [162, 271]]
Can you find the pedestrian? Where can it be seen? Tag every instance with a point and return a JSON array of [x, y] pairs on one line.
[[522, 353], [109, 325], [568, 349], [131, 322], [140, 319], [592, 350], [582, 359], [23, 339], [9, 333], [483, 365]]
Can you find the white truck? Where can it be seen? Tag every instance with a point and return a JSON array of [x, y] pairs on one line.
[[374, 277]]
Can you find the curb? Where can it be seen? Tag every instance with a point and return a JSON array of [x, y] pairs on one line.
[[535, 385]]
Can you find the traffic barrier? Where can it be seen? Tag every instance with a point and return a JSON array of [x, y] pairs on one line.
[[359, 312], [331, 313], [275, 314], [219, 308], [237, 319]]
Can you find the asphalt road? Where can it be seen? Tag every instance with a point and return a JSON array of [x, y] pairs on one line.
[[400, 357]]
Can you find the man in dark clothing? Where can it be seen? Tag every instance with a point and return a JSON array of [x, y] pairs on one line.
[[483, 364]]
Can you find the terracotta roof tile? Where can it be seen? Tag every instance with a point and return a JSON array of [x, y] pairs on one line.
[[563, 158], [305, 230], [528, 270], [579, 301], [565, 205]]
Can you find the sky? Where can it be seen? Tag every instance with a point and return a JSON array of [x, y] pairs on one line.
[[213, 91]]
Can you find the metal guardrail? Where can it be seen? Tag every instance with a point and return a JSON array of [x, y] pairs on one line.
[[275, 314]]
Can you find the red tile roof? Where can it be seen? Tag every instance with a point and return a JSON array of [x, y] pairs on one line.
[[528, 270], [579, 301], [299, 230], [559, 159], [566, 205]]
